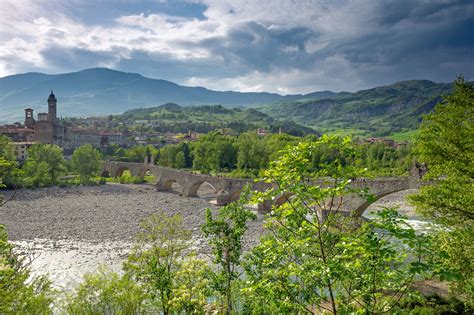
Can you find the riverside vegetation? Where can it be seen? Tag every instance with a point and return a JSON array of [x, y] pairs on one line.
[[246, 155], [314, 258]]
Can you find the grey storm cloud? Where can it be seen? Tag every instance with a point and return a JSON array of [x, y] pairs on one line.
[[262, 48], [392, 40]]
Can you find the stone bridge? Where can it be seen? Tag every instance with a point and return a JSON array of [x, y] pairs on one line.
[[228, 189]]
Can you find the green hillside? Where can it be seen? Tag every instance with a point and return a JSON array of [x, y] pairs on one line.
[[382, 111], [205, 118]]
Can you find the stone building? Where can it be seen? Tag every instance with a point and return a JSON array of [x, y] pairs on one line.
[[96, 138], [20, 150], [48, 129]]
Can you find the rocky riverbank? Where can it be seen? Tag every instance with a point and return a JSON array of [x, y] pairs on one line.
[[71, 231]]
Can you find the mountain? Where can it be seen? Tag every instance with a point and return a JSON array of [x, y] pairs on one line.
[[380, 111], [101, 91], [204, 118]]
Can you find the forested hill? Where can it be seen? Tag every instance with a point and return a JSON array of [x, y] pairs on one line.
[[380, 111], [102, 91], [205, 118]]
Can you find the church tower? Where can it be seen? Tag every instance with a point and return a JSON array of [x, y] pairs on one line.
[[29, 120], [52, 108]]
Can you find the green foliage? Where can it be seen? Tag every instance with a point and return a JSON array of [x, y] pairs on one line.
[[214, 152], [86, 162], [9, 173], [177, 156], [377, 112], [106, 292], [45, 163], [383, 160], [316, 257], [446, 144], [241, 156], [156, 259], [134, 154], [225, 232], [432, 304], [251, 152], [191, 288], [206, 118], [18, 293]]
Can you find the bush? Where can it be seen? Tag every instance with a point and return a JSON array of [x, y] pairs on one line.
[[20, 293], [106, 293], [432, 304]]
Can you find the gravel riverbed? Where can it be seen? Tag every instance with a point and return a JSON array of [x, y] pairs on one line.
[[72, 231]]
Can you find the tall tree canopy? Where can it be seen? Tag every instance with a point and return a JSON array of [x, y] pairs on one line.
[[446, 144]]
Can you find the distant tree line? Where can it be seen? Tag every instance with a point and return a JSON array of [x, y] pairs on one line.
[[46, 166], [248, 154]]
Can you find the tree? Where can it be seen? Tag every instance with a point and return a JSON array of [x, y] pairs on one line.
[[179, 160], [86, 162], [214, 152], [18, 293], [188, 161], [106, 292], [156, 259], [225, 232], [446, 144], [318, 257], [251, 152], [8, 164], [44, 164], [191, 289], [139, 152]]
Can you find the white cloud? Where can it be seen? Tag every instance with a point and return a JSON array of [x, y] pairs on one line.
[[241, 44]]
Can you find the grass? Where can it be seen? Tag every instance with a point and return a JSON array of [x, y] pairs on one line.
[[404, 135]]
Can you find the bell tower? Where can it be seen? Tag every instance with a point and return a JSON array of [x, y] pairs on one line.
[[52, 111], [29, 120]]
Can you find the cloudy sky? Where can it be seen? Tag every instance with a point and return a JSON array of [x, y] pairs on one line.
[[286, 46]]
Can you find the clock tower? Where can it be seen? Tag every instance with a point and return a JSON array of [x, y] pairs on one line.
[[52, 114]]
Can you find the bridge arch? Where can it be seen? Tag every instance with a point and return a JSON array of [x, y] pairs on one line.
[[148, 170], [193, 190], [120, 169], [105, 173], [171, 184], [359, 211]]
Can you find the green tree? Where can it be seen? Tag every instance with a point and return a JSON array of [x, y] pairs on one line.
[[191, 289], [251, 152], [157, 257], [446, 144], [86, 162], [44, 164], [18, 293], [139, 152], [106, 292], [225, 232], [9, 173], [214, 152], [318, 257], [179, 160], [188, 161]]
